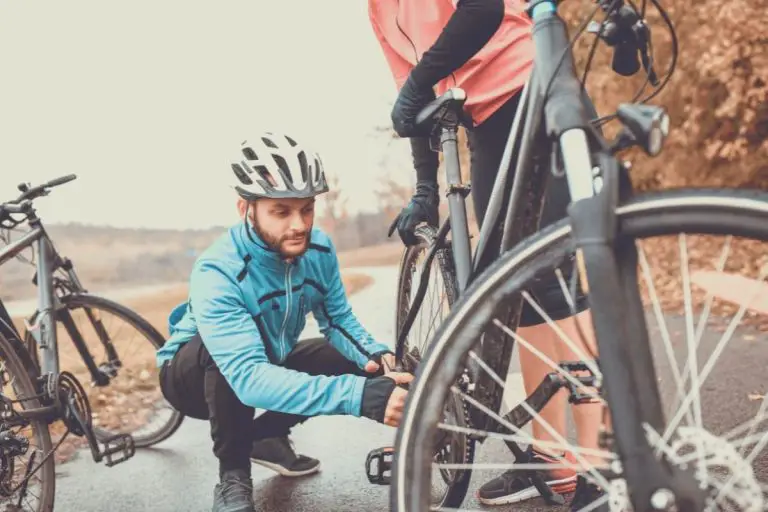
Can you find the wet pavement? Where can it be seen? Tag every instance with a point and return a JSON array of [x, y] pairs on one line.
[[179, 474]]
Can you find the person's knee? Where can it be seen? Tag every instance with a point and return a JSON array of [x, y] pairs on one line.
[[205, 360], [555, 300]]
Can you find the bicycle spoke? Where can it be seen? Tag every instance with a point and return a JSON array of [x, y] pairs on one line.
[[597, 503], [692, 359], [666, 339], [535, 415], [724, 339], [566, 339], [566, 375], [744, 426], [525, 440], [760, 413], [542, 466]]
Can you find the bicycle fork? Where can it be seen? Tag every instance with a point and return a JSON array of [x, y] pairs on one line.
[[608, 268]]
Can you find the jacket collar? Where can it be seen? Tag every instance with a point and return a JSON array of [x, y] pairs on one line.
[[250, 243]]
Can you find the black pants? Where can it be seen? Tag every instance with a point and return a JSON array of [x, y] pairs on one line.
[[486, 146], [192, 383]]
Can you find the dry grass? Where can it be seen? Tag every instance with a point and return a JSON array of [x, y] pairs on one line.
[[125, 405], [372, 256]]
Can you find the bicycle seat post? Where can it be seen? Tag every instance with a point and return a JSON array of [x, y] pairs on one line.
[[456, 192]]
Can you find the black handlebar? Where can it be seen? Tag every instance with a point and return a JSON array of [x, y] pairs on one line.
[[29, 193], [11, 208], [23, 203]]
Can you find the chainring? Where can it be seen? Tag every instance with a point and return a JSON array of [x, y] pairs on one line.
[[72, 398]]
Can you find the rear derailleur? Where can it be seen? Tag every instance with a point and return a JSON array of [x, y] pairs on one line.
[[71, 405]]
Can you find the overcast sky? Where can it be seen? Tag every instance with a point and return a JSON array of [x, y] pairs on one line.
[[147, 100]]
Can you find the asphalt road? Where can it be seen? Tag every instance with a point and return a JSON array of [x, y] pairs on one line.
[[179, 474]]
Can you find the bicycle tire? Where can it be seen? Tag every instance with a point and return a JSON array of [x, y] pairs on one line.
[[406, 288], [696, 211], [84, 300], [15, 365], [426, 236]]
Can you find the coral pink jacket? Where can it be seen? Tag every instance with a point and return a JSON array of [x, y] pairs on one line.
[[408, 28]]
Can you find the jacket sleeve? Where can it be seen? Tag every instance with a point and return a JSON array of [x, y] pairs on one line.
[[339, 324], [469, 28], [232, 338]]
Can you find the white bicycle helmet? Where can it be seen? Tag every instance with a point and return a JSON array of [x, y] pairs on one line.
[[275, 166]]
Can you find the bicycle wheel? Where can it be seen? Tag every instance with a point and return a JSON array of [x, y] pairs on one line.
[[131, 402], [441, 293], [16, 460], [712, 433]]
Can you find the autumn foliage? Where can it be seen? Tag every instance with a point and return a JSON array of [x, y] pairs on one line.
[[716, 98]]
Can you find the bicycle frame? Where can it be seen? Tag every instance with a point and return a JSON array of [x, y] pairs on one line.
[[44, 327]]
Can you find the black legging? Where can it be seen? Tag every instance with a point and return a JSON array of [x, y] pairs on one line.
[[192, 384], [486, 144]]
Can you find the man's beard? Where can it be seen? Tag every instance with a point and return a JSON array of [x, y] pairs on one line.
[[276, 243]]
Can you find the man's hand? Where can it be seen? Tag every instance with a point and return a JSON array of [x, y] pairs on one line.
[[408, 104], [388, 360], [394, 411], [421, 208]]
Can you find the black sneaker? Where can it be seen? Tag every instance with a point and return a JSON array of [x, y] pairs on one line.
[[234, 493], [586, 494], [277, 454], [514, 486]]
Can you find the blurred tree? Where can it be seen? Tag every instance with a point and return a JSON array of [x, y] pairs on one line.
[[333, 206]]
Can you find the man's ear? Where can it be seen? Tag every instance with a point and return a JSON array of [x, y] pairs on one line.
[[242, 206]]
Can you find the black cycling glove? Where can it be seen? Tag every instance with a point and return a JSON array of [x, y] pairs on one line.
[[410, 101], [376, 393], [421, 208]]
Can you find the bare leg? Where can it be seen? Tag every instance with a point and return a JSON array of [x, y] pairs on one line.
[[588, 417], [534, 370]]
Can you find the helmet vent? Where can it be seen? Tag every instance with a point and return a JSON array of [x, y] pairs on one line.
[[250, 154], [241, 175], [280, 161]]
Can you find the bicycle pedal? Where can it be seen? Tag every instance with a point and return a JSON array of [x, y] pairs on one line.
[[117, 449], [383, 458]]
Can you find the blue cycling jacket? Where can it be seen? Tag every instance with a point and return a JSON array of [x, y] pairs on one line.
[[249, 307]]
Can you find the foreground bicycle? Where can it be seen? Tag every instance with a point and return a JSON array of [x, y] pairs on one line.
[[673, 443], [123, 408]]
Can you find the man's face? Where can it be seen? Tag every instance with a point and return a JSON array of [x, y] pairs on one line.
[[284, 224]]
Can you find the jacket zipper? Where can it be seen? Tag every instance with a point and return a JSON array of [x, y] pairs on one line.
[[287, 311]]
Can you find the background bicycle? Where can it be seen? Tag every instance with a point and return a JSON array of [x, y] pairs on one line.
[[81, 365]]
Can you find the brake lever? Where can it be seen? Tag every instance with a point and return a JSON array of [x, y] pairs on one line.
[[641, 33]]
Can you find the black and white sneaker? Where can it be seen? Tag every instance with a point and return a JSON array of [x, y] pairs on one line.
[[277, 454], [515, 485]]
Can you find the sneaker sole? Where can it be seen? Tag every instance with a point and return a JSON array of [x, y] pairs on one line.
[[277, 468], [562, 486]]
